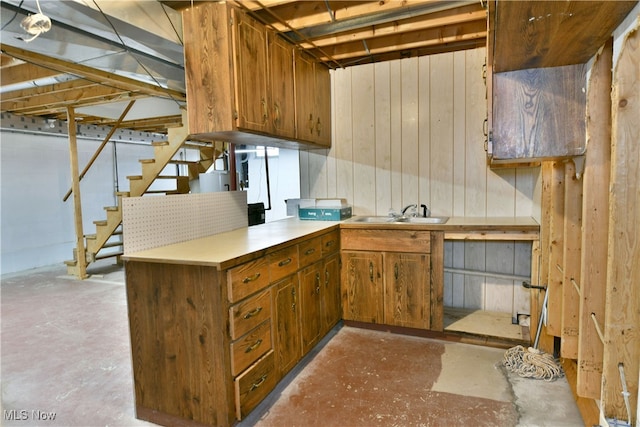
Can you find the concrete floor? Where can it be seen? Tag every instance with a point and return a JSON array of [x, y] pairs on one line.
[[65, 361]]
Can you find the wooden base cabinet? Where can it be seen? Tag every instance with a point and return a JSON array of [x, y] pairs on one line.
[[407, 299], [389, 277], [209, 345]]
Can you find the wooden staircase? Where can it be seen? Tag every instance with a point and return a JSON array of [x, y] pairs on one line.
[[107, 241]]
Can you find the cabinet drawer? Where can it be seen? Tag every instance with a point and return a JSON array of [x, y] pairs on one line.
[[310, 251], [283, 262], [248, 314], [250, 347], [330, 242], [386, 240], [254, 384], [247, 278]]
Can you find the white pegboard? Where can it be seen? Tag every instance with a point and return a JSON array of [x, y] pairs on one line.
[[152, 221]]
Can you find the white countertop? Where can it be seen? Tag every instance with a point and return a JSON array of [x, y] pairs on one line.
[[227, 249], [224, 249]]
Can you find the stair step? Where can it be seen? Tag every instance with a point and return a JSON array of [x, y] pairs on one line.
[[183, 162], [71, 263], [111, 208], [112, 244], [159, 143], [147, 160], [100, 222], [109, 255], [138, 177], [123, 193], [196, 146]]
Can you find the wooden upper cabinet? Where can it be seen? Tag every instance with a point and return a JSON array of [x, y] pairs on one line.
[[536, 75], [250, 53], [240, 79], [282, 94], [313, 100]]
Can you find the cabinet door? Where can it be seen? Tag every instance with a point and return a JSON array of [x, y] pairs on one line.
[[287, 323], [361, 286], [251, 73], [331, 309], [310, 300], [282, 99], [322, 126], [407, 290], [305, 97]]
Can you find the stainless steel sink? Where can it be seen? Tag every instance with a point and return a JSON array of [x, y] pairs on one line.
[[400, 220]]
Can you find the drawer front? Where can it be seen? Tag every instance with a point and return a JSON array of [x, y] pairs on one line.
[[386, 240], [310, 251], [248, 278], [283, 262], [248, 314], [254, 384], [330, 243], [250, 347]]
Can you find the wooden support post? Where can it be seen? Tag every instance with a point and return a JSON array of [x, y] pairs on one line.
[[537, 297], [571, 262], [595, 223], [104, 143], [81, 267], [622, 313], [556, 249]]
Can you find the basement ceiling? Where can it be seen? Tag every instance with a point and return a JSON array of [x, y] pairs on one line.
[[101, 54]]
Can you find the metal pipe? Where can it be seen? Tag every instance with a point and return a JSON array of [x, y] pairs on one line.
[[485, 274]]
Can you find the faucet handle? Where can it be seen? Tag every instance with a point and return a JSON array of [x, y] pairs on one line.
[[425, 211]]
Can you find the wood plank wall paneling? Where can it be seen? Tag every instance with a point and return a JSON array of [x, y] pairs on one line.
[[571, 262], [556, 245], [595, 223], [411, 131], [622, 316]]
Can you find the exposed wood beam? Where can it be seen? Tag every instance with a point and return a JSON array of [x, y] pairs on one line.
[[81, 97], [93, 74], [24, 72], [309, 14], [445, 18], [413, 40]]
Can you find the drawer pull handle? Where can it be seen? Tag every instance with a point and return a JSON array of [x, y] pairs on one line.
[[326, 277], [371, 271], [284, 262], [251, 278], [310, 251], [258, 383], [317, 283], [395, 271], [253, 346], [329, 243], [253, 312]]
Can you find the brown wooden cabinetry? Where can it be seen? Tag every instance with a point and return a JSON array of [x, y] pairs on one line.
[[313, 100], [389, 277], [241, 82], [208, 345], [407, 300], [287, 324]]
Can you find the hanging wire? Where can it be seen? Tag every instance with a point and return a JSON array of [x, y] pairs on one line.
[[171, 22], [13, 17], [131, 53]]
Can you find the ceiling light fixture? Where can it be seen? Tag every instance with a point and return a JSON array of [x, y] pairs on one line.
[[36, 24]]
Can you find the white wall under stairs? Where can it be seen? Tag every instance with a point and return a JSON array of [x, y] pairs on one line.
[[36, 225]]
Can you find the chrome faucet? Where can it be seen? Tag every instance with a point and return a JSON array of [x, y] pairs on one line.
[[413, 207]]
